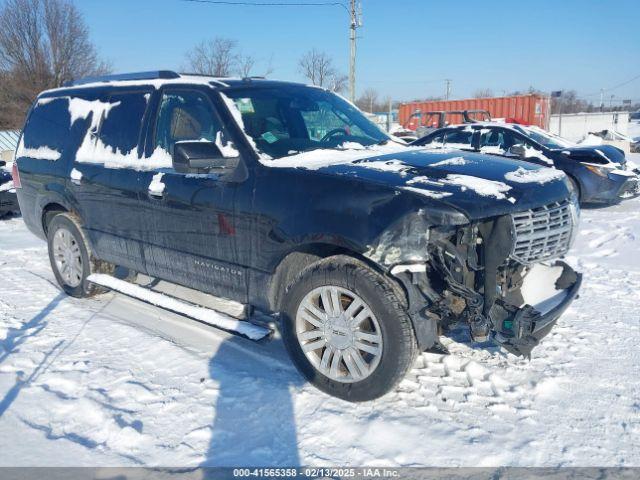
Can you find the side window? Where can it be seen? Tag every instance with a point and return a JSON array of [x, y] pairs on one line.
[[48, 127], [187, 115], [435, 141], [121, 125], [459, 139], [492, 141], [496, 141]]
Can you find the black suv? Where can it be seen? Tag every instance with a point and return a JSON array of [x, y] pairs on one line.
[[285, 198]]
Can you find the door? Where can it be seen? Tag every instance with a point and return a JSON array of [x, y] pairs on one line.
[[189, 220], [105, 178]]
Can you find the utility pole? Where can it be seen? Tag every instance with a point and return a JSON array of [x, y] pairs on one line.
[[601, 100], [447, 91], [356, 22]]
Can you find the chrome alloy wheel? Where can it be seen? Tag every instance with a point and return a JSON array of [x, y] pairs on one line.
[[339, 334], [68, 257]]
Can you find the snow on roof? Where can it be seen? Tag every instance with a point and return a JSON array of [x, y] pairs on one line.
[[9, 140], [182, 79]]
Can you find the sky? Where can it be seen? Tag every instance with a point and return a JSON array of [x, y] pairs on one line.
[[406, 48]]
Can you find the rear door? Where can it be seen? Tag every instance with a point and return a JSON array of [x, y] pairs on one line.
[[105, 178], [189, 220]]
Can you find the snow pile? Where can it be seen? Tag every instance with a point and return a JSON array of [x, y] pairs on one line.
[[481, 186], [6, 187], [227, 149], [492, 150], [156, 187], [530, 152], [455, 161], [428, 193], [79, 108], [93, 149], [540, 175], [76, 175], [40, 153], [591, 140], [320, 158]]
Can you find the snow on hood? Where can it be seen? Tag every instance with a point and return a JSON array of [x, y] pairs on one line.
[[542, 175], [478, 185], [481, 186], [345, 154]]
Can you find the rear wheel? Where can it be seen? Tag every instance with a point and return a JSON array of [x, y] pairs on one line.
[[71, 258], [346, 329]]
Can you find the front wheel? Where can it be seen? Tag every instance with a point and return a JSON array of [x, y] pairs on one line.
[[346, 329]]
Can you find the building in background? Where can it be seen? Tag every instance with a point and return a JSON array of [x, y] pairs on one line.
[[8, 144], [576, 126]]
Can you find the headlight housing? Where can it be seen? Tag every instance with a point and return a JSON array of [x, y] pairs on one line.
[[600, 171]]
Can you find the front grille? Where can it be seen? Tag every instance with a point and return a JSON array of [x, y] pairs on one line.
[[543, 233]]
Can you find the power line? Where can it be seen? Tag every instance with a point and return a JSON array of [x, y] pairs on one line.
[[271, 4], [615, 87]]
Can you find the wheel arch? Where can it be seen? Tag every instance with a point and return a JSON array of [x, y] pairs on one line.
[[302, 256]]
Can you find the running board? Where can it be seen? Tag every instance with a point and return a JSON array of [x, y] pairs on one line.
[[181, 307]]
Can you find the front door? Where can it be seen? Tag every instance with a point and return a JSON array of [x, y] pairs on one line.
[[189, 220]]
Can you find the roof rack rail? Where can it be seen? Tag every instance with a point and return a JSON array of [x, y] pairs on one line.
[[153, 75]]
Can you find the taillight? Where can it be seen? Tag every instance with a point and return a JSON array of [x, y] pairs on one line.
[[16, 176]]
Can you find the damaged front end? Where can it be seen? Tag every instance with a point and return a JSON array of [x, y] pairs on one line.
[[501, 276]]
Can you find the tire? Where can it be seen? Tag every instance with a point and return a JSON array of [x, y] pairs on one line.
[[387, 357], [576, 187], [64, 234]]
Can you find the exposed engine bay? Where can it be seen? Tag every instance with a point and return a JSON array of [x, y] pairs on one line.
[[478, 274]]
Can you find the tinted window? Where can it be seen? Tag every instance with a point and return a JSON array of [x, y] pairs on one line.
[[48, 125], [121, 126], [186, 115], [458, 139]]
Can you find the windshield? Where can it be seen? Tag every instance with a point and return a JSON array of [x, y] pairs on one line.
[[286, 120], [545, 139]]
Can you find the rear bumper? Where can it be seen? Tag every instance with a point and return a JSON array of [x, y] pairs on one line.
[[524, 329]]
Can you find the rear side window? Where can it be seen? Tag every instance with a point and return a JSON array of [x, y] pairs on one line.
[[121, 126], [458, 139], [48, 127]]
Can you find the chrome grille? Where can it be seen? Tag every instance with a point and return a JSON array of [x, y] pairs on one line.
[[543, 233]]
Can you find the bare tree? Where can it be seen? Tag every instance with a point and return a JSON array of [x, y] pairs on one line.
[[221, 57], [483, 93], [318, 68], [368, 100], [43, 44], [247, 66], [218, 57]]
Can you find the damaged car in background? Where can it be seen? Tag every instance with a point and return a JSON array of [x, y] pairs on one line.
[[286, 199], [601, 174]]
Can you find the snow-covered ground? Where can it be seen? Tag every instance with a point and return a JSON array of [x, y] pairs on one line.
[[111, 381]]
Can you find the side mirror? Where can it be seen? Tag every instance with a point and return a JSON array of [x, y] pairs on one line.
[[518, 151], [2, 163], [201, 157]]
